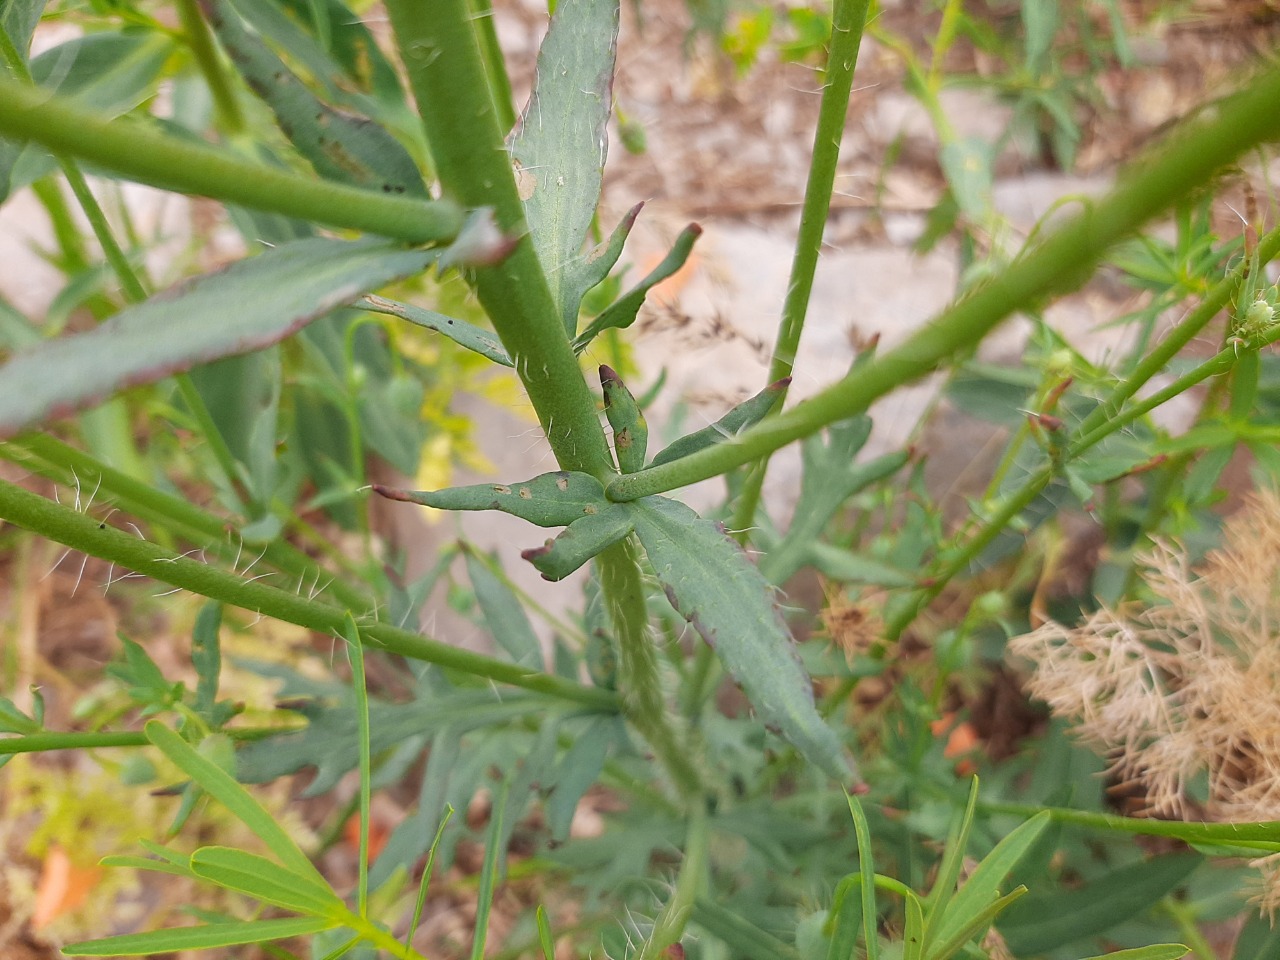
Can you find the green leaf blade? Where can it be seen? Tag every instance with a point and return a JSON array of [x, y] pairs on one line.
[[265, 880], [548, 500], [561, 143], [205, 937], [713, 585], [249, 305], [468, 335], [579, 542]]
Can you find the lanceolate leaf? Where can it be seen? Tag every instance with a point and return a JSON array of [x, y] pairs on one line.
[[623, 313], [586, 272], [460, 332], [341, 147], [247, 306], [232, 934], [269, 882], [713, 585], [560, 144], [549, 500], [582, 540], [744, 415]]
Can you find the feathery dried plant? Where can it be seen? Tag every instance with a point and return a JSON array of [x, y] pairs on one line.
[[1189, 684]]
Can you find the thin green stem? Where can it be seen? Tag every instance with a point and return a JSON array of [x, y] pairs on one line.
[[668, 928], [1183, 916], [80, 532], [494, 67], [848, 19], [138, 152], [1264, 836], [200, 39], [44, 742], [1061, 261], [49, 457]]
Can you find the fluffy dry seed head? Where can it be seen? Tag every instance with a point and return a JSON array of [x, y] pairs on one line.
[[1189, 684]]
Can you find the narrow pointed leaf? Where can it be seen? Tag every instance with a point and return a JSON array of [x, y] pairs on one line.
[[744, 415], [713, 585], [630, 431], [341, 147], [548, 500], [204, 937], [944, 885], [580, 541], [592, 269], [623, 313], [983, 884], [266, 880], [146, 863], [561, 141], [913, 935], [222, 787], [975, 925], [1157, 951], [477, 339], [244, 307]]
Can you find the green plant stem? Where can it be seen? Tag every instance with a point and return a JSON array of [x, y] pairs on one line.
[[138, 152], [668, 928], [200, 39], [440, 50], [1184, 918], [494, 67], [1060, 262], [641, 690], [959, 558], [1265, 837], [43, 742], [49, 457], [847, 21], [83, 533]]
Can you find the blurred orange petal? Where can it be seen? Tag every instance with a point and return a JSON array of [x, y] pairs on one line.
[[63, 887]]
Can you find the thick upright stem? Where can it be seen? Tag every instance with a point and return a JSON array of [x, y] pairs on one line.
[[446, 71]]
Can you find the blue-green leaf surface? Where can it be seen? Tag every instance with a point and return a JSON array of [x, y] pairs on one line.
[[622, 313], [580, 541], [709, 580], [504, 614], [561, 141], [477, 339], [586, 272], [548, 500], [244, 307], [341, 147]]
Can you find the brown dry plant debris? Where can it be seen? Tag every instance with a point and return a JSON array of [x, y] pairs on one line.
[[1189, 684]]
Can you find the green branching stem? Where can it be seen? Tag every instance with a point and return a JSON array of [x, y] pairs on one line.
[[848, 19], [138, 152], [1057, 264], [442, 54], [1102, 421], [1264, 837], [81, 532]]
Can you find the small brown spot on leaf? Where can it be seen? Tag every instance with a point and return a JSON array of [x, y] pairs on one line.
[[562, 482], [500, 488], [525, 493]]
